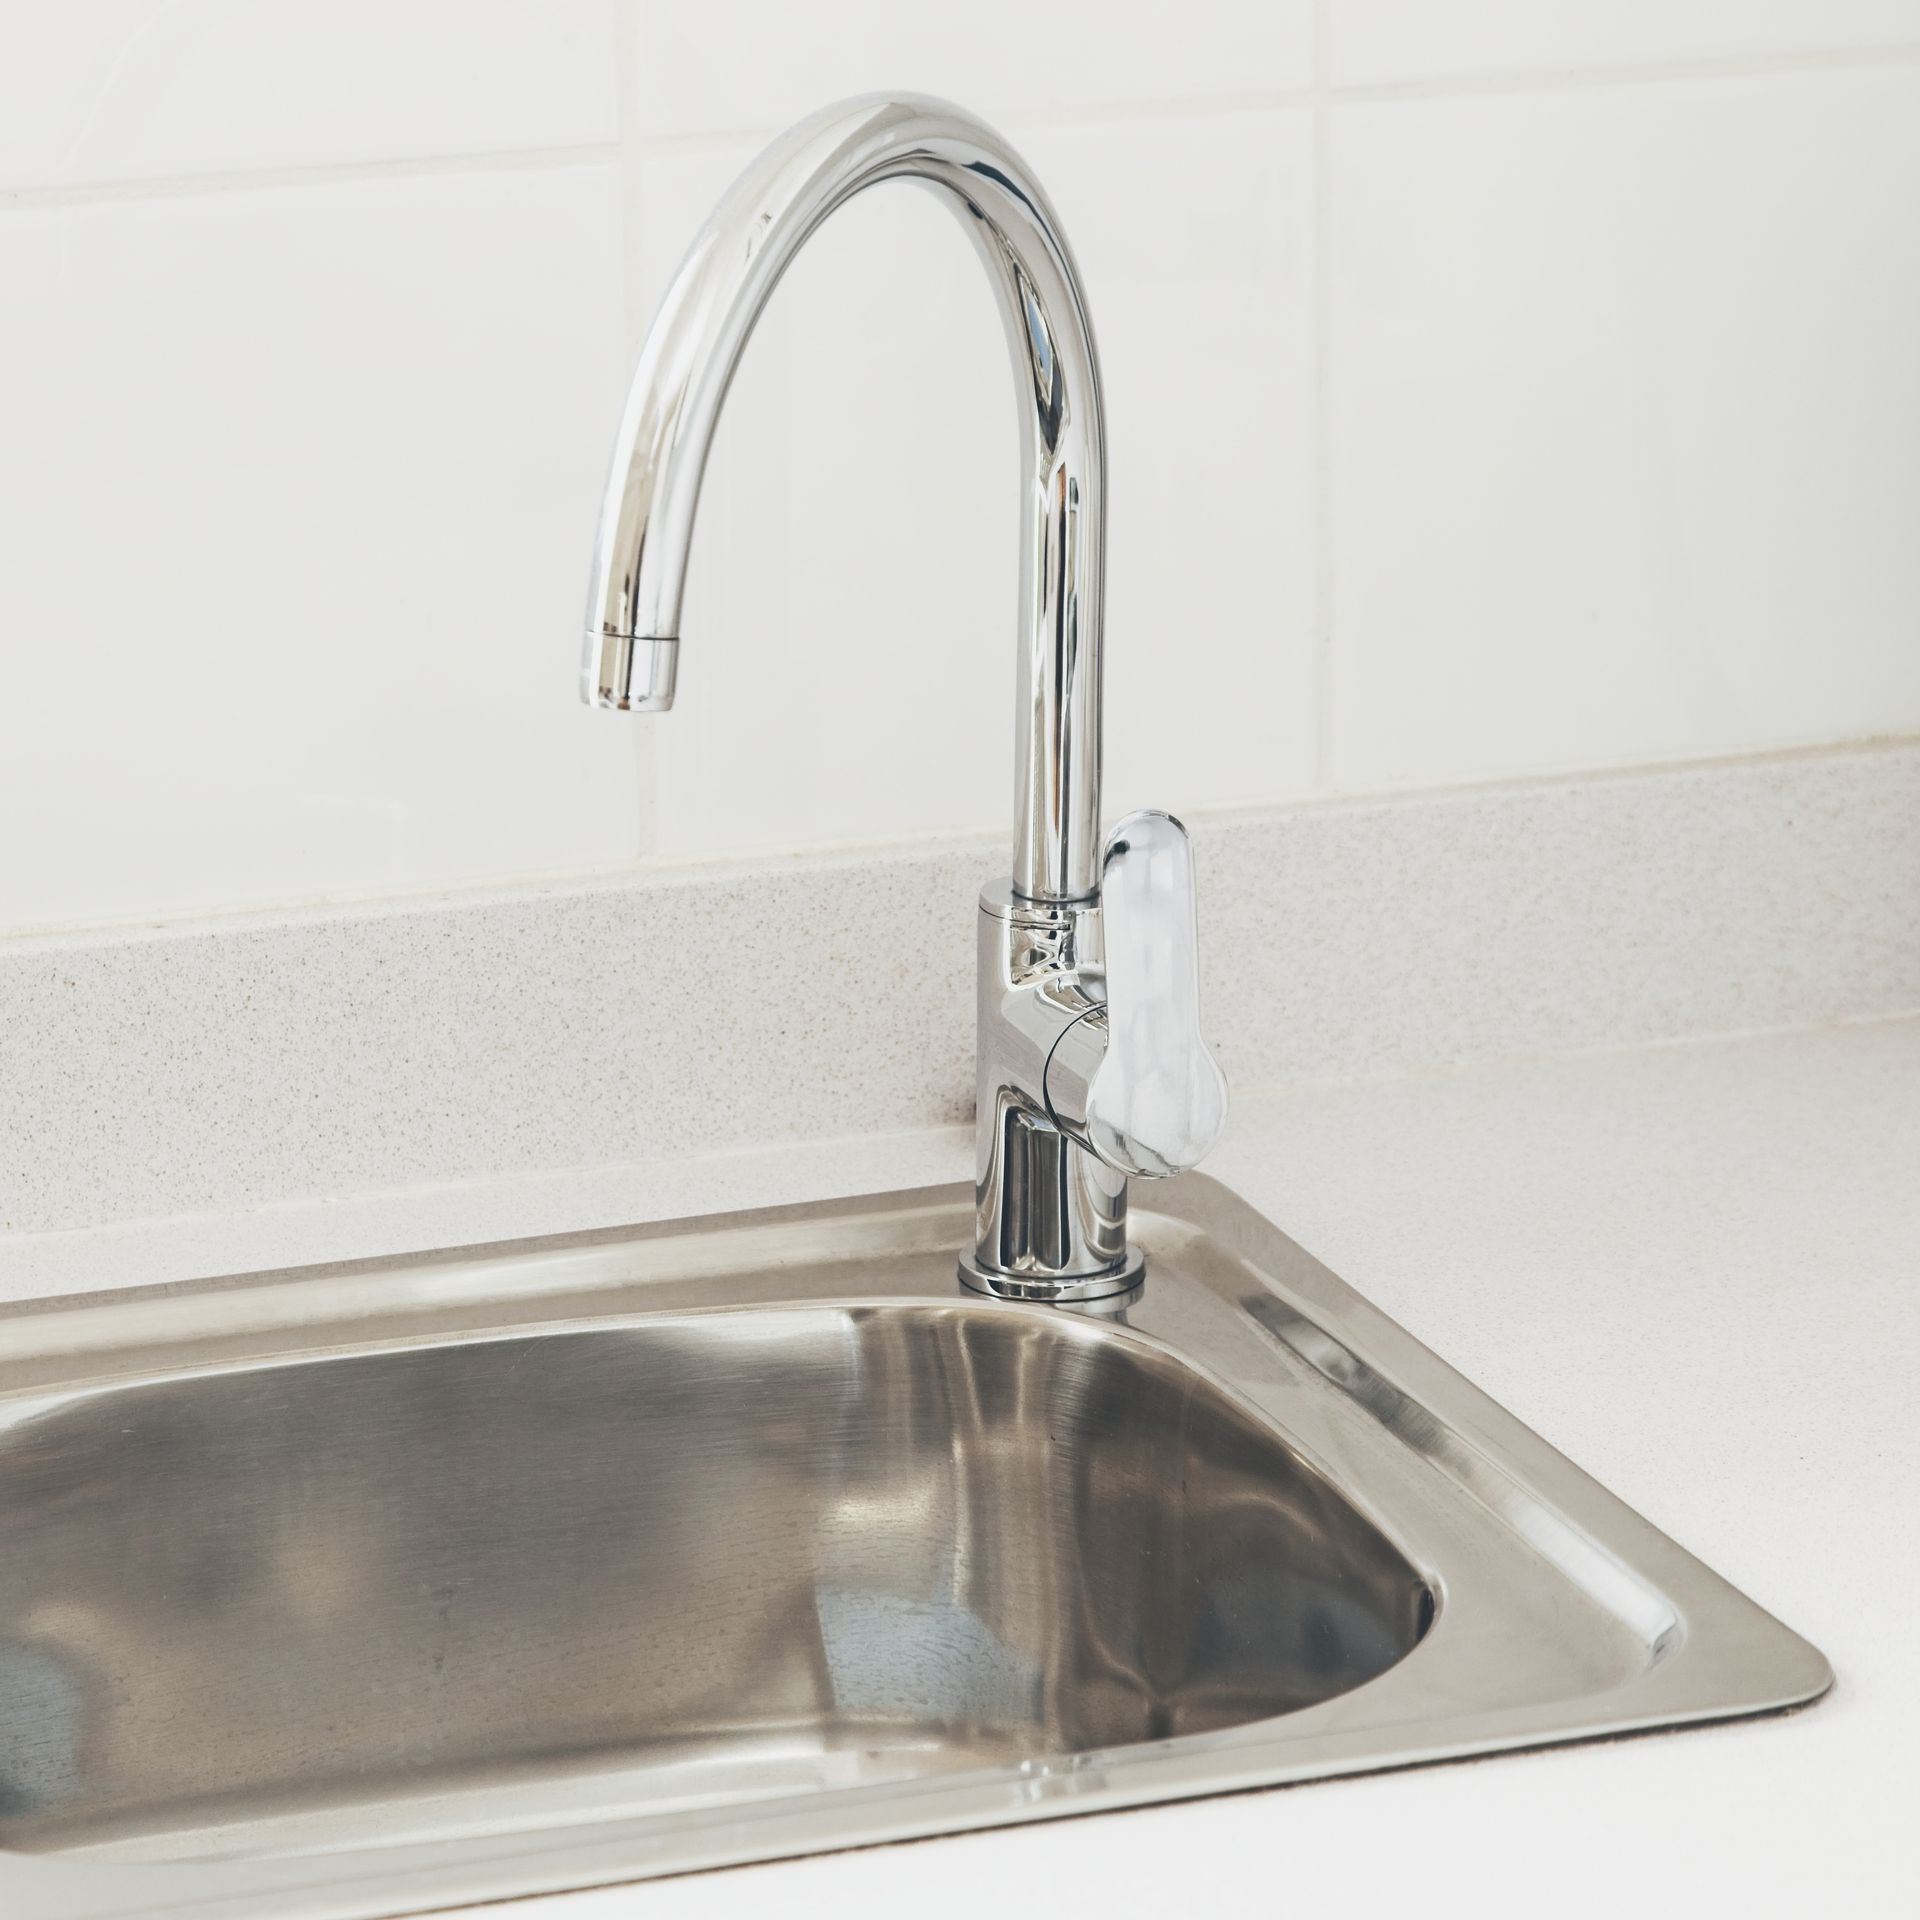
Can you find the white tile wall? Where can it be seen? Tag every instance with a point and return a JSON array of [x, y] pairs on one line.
[[1626, 423], [1485, 396], [292, 486], [131, 89]]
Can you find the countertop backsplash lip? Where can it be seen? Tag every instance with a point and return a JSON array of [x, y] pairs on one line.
[[674, 869], [331, 1050]]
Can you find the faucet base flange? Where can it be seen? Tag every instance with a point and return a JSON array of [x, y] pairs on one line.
[[1049, 1290]]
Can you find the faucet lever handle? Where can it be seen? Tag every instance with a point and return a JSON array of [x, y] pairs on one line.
[[1155, 1101]]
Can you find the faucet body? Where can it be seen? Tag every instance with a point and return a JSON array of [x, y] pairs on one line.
[[1052, 1167]]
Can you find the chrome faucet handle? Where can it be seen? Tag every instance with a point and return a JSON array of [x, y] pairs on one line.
[[1134, 1080]]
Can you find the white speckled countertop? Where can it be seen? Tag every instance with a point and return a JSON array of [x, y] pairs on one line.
[[1695, 1268]]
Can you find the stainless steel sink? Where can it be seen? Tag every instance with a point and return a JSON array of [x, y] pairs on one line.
[[376, 1588]]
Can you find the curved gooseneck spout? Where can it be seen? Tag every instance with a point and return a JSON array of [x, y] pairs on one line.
[[646, 522], [1091, 1064]]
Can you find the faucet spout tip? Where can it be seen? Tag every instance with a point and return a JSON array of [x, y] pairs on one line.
[[629, 672]]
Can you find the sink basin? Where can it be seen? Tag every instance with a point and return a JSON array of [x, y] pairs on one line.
[[793, 1546], [369, 1589]]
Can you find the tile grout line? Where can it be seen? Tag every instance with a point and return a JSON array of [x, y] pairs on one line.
[[189, 186], [626, 123], [633, 142], [1322, 517], [634, 319], [1017, 121], [1322, 90], [1642, 73]]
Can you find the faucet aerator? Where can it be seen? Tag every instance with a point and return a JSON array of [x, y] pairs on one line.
[[630, 672]]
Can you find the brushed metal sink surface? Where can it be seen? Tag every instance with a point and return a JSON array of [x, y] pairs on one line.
[[367, 1589]]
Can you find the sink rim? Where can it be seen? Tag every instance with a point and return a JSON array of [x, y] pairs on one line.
[[1492, 1517]]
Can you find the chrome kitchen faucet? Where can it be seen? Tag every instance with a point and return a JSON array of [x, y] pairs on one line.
[[1091, 1064]]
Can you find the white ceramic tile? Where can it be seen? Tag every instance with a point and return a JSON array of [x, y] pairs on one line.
[[113, 89], [1626, 423], [756, 64], [298, 489], [1398, 40], [848, 666], [1195, 237]]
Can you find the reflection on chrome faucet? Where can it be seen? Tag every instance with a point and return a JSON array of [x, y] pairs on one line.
[[1091, 1064]]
